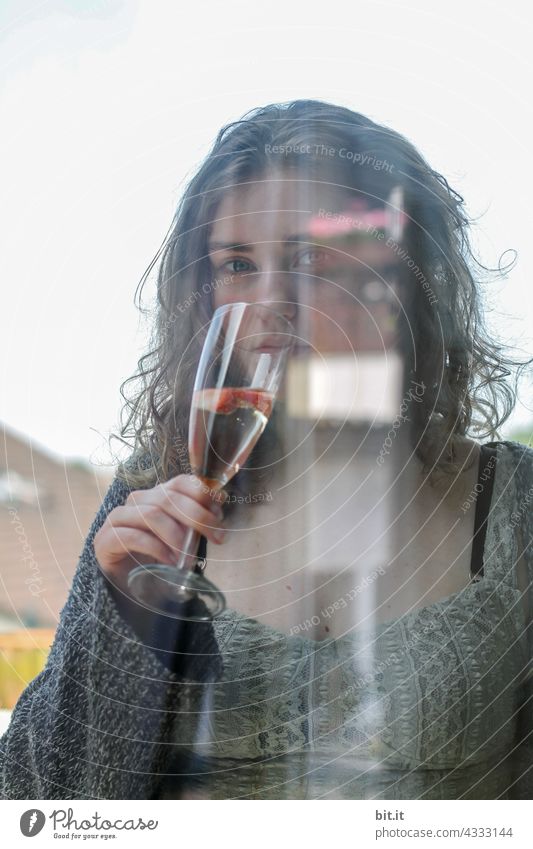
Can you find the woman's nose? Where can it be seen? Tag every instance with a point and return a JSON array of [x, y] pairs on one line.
[[277, 289]]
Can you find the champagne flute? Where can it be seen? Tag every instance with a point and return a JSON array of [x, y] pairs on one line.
[[240, 371]]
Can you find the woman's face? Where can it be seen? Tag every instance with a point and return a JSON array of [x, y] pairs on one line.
[[312, 252]]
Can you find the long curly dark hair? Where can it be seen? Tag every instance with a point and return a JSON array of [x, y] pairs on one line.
[[469, 388]]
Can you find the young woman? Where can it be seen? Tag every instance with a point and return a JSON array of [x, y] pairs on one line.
[[376, 559]]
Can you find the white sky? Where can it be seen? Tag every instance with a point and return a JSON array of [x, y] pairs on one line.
[[108, 106]]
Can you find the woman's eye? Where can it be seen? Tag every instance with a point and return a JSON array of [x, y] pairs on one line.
[[238, 266], [312, 257]]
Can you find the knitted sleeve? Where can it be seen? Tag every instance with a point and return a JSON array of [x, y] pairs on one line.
[[96, 723], [522, 520]]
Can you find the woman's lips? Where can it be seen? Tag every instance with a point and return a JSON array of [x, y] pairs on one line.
[[274, 347], [270, 345]]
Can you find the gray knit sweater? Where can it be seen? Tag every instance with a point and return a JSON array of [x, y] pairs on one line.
[[96, 723], [100, 721]]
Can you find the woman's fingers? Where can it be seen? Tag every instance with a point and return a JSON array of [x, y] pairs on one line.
[[117, 546], [170, 496], [206, 521], [167, 520], [193, 487], [186, 500], [151, 525]]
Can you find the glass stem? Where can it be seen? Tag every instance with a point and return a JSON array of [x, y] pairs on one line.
[[187, 555]]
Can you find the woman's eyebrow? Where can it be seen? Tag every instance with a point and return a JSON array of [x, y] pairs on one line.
[[249, 246], [229, 246]]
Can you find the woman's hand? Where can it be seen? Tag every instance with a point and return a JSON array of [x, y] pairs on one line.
[[150, 527]]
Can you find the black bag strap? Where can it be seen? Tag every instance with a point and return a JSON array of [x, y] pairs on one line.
[[487, 466]]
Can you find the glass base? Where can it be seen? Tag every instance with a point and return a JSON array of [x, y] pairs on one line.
[[179, 593]]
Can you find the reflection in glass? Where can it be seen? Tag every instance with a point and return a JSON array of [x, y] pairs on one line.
[[374, 642]]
